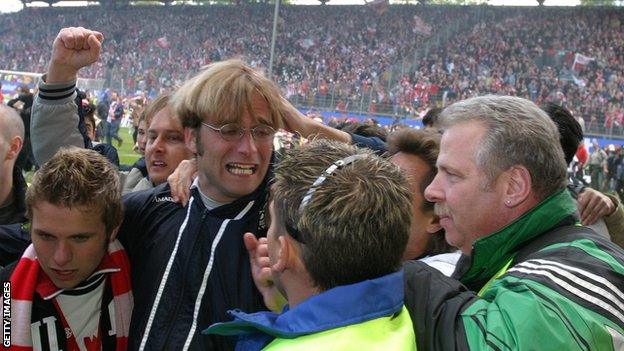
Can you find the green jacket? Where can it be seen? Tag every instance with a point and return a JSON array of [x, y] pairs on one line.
[[544, 283]]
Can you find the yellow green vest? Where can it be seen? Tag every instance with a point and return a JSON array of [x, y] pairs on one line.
[[394, 333]]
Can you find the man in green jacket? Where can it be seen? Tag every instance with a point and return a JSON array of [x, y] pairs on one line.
[[536, 279]]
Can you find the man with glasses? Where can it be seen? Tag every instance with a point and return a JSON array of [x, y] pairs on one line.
[[345, 272], [189, 263]]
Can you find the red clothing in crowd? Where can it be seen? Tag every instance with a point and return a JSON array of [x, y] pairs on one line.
[[581, 154]]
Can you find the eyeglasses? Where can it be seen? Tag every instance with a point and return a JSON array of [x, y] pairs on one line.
[[234, 131]]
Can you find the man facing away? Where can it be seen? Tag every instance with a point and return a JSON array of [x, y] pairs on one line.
[[538, 279], [12, 183], [71, 288], [190, 264], [340, 219]]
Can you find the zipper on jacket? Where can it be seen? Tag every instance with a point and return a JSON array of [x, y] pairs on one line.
[[180, 297]]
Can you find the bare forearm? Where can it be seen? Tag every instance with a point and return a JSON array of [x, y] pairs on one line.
[[318, 130], [296, 122], [59, 74]]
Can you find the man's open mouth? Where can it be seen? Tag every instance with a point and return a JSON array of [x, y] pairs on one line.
[[241, 169]]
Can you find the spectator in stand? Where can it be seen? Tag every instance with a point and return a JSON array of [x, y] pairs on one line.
[[487, 50]]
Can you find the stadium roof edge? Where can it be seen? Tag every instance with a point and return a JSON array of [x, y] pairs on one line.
[[101, 2]]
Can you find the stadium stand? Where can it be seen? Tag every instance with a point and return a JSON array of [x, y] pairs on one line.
[[350, 58]]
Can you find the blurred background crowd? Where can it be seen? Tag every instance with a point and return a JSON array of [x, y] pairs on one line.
[[398, 62]]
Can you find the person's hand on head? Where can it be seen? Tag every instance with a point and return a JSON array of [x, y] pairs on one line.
[[297, 123], [73, 48], [294, 121]]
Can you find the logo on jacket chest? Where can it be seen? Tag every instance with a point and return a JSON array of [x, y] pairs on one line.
[[164, 199]]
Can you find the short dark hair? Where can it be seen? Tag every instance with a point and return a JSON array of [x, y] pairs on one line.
[[425, 144], [431, 117], [363, 129], [422, 143], [356, 224], [570, 131]]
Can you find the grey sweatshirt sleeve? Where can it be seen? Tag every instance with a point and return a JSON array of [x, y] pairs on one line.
[[54, 120]]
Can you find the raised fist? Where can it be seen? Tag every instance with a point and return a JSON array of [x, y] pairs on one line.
[[73, 48]]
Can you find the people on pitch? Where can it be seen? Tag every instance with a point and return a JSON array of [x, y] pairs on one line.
[[340, 218], [537, 279], [601, 212], [54, 113], [194, 256], [71, 289]]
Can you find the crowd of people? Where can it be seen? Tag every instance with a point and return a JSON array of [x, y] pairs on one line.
[[467, 234], [352, 58]]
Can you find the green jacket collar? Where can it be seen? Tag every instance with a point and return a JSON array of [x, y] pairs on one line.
[[492, 252]]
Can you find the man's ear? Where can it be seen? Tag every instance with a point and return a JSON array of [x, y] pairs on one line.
[[190, 139], [113, 235], [518, 186], [15, 146], [283, 254], [433, 223]]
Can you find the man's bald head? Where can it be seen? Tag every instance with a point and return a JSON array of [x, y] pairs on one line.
[[11, 141], [11, 125]]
